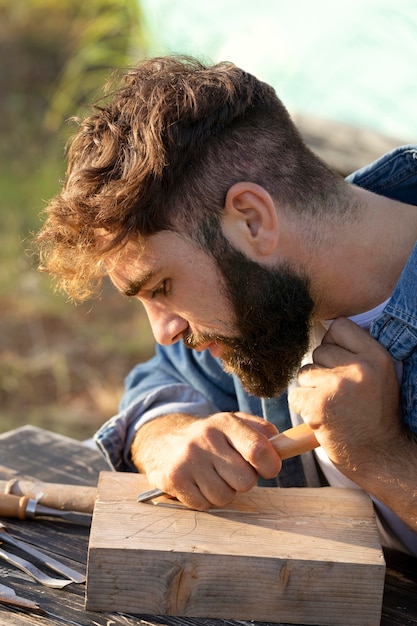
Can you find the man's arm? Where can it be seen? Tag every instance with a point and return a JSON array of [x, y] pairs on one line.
[[176, 380], [350, 398], [204, 462]]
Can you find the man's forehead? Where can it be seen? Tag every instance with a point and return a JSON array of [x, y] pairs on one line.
[[114, 253], [124, 263], [130, 276], [140, 260]]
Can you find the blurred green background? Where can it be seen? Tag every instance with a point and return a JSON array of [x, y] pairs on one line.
[[349, 80], [61, 366]]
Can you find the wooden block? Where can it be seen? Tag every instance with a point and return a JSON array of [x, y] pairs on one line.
[[299, 556]]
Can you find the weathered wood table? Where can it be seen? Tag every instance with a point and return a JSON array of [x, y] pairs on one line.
[[33, 452]]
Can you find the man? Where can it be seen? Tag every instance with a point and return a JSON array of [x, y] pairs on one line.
[[194, 192]]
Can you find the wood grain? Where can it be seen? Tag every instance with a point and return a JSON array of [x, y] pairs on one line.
[[290, 555]]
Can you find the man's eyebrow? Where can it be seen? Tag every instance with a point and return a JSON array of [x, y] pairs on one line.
[[136, 285]]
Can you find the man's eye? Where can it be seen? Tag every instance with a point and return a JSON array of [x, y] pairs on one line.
[[163, 289]]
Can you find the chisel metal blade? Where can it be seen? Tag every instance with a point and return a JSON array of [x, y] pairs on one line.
[[47, 560]]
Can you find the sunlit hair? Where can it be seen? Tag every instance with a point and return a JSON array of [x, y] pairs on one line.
[[161, 151]]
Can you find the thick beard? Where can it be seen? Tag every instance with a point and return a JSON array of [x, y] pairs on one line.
[[272, 309]]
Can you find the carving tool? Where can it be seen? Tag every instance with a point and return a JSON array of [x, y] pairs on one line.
[[45, 559], [26, 508], [9, 596], [289, 443], [37, 574], [79, 498], [145, 496]]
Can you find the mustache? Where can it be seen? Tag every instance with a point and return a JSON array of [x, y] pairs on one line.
[[193, 340]]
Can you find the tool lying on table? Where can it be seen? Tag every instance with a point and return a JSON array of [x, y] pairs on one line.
[[45, 559], [79, 498], [26, 508], [289, 443], [9, 596], [32, 570]]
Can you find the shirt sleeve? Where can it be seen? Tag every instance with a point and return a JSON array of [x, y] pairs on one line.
[[176, 380]]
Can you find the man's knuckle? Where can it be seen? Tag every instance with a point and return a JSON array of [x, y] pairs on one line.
[[256, 449], [225, 501], [246, 481]]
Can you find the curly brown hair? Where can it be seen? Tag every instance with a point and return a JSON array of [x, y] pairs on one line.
[[161, 152]]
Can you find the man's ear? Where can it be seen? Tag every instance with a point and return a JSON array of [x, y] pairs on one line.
[[250, 220]]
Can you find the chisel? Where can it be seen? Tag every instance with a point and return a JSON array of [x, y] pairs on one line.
[[44, 558], [79, 498], [22, 507]]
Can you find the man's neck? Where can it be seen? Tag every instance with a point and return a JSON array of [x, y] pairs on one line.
[[359, 263]]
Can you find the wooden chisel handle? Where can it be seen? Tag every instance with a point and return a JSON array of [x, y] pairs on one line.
[[294, 441], [13, 506], [22, 507], [79, 498]]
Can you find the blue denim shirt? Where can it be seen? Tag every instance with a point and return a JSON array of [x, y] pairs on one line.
[[181, 380]]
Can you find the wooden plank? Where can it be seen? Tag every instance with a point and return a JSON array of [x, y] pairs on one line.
[[309, 556], [400, 591], [34, 452]]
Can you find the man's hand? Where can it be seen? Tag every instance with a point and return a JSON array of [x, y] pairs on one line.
[[349, 396], [205, 461]]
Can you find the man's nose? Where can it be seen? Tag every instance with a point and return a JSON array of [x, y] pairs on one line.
[[167, 327]]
